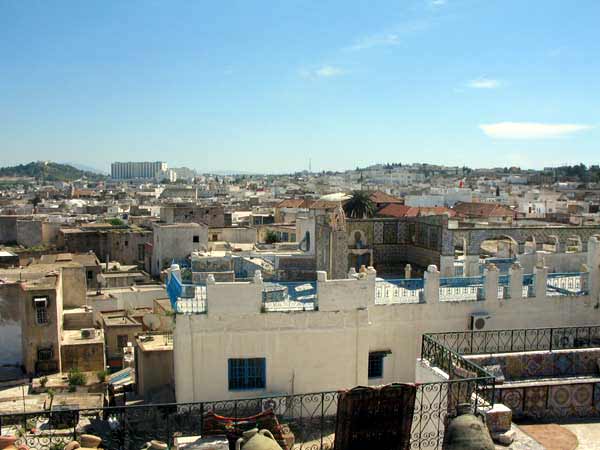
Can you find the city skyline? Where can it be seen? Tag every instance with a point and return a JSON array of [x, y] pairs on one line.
[[264, 87]]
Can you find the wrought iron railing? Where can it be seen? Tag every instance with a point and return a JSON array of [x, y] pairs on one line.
[[468, 383], [289, 296], [309, 418], [517, 340], [461, 288], [399, 290]]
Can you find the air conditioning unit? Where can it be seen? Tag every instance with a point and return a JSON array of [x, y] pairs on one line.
[[479, 321], [278, 405], [88, 333]]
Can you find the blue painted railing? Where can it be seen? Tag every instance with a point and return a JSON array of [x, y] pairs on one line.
[[567, 283], [461, 289]]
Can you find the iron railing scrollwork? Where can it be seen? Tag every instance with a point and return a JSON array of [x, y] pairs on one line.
[[517, 340]]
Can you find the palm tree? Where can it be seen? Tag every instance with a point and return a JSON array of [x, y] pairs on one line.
[[359, 206]]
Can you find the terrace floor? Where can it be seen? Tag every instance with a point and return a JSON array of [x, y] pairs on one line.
[[579, 434], [587, 432]]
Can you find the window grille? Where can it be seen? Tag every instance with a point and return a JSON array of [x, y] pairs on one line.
[[248, 373]]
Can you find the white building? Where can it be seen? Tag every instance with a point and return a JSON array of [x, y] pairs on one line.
[[365, 331], [136, 170]]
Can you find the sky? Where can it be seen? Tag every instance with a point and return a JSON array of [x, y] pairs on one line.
[[260, 86]]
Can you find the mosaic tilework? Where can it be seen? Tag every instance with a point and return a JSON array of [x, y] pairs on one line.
[[535, 400], [513, 398], [390, 233], [514, 367], [596, 398], [586, 362], [563, 364], [378, 232], [560, 397]]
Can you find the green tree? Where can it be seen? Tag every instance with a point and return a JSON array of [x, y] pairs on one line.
[[76, 378], [359, 206], [271, 237], [116, 222], [35, 201]]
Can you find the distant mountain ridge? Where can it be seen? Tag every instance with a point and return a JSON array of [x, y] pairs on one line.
[[49, 171], [84, 167]]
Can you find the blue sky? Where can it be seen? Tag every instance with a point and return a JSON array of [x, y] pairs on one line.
[[263, 86]]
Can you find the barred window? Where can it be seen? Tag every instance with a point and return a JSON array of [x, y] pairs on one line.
[[41, 310], [44, 354], [248, 373]]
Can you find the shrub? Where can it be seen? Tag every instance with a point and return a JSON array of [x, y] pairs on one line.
[[102, 375], [271, 237], [116, 222], [76, 378]]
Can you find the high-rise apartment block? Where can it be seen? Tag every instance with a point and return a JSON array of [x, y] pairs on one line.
[[133, 170]]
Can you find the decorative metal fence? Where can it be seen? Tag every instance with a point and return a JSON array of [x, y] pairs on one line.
[[309, 418], [517, 340], [399, 290], [290, 296], [461, 289], [572, 284]]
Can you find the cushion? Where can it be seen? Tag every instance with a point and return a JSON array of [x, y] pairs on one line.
[[233, 427]]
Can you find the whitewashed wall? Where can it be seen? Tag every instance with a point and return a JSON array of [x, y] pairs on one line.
[[328, 349]]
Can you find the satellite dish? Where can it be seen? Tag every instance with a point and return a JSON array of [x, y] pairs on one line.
[[151, 321]]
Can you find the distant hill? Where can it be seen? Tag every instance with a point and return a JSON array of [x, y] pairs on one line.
[[84, 167], [48, 171]]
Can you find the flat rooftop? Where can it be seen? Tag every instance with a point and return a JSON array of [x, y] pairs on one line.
[[155, 342], [73, 337], [119, 320]]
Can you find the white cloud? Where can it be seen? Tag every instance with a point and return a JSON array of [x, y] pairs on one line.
[[484, 83], [376, 40], [438, 2], [392, 37], [531, 130], [328, 71], [325, 71]]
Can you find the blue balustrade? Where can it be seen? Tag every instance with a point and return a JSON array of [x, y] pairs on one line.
[[567, 283], [399, 290]]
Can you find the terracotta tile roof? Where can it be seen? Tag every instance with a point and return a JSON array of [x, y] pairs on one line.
[[291, 203], [382, 197], [469, 209], [323, 204], [395, 210]]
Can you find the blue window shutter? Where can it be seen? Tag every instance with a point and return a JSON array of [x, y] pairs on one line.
[[263, 372]]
